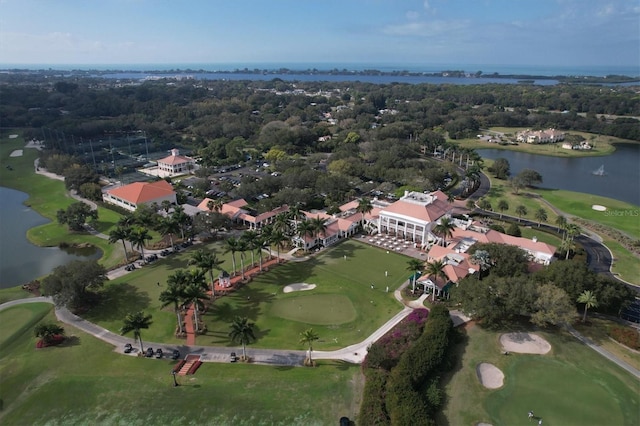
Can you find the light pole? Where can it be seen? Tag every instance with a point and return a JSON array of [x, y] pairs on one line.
[[175, 382]]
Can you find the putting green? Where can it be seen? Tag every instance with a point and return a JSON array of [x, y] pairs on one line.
[[320, 309], [572, 396]]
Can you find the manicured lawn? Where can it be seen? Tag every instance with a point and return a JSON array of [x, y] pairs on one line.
[[86, 382], [619, 215], [596, 329], [625, 263], [572, 385], [13, 293], [604, 145], [342, 309]]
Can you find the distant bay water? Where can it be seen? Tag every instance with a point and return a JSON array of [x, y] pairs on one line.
[[504, 69]]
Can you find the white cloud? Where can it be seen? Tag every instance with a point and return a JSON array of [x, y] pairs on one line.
[[412, 15], [425, 28], [606, 10]]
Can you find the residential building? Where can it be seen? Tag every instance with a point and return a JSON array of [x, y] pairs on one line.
[[135, 194], [540, 136]]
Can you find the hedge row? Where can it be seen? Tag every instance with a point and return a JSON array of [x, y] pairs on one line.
[[372, 409], [413, 396], [409, 394]]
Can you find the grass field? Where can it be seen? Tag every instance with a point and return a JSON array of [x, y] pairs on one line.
[[86, 382], [342, 309], [604, 145], [572, 385]]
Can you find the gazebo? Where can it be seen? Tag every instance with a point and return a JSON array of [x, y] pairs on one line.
[[224, 279]]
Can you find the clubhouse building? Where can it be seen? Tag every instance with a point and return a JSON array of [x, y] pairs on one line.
[[131, 196], [403, 224]]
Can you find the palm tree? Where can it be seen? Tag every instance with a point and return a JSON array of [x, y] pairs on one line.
[[450, 197], [444, 229], [194, 293], [242, 332], [573, 231], [265, 234], [590, 301], [242, 248], [502, 206], [415, 266], [436, 269], [482, 259], [48, 331], [250, 238], [304, 229], [281, 223], [136, 322], [541, 215], [277, 238], [182, 218], [232, 247], [138, 237], [561, 221], [120, 233], [470, 204], [319, 226], [168, 226], [364, 207], [295, 213], [174, 295], [307, 337], [260, 244], [521, 211], [207, 261]]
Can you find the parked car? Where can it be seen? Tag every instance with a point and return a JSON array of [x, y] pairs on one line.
[[233, 357], [128, 348], [149, 352], [175, 354], [159, 353]]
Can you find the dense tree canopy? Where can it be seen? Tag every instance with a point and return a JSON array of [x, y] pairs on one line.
[[73, 285]]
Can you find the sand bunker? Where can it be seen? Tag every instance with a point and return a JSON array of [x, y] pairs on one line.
[[13, 136], [598, 207], [524, 343], [490, 376], [16, 153], [298, 287]]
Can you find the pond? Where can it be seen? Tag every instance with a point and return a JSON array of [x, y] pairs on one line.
[[20, 260], [620, 179]]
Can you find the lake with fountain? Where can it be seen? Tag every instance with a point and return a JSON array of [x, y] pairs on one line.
[[615, 176]]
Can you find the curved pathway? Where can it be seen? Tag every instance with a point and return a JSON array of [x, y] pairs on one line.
[[353, 354]]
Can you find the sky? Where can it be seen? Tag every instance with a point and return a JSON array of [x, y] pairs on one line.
[[561, 33]]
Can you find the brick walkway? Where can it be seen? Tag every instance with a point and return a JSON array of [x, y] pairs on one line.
[[236, 282]]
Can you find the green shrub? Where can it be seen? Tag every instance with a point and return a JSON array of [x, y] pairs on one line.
[[372, 409]]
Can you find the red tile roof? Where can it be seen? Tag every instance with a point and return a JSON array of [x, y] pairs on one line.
[[142, 192]]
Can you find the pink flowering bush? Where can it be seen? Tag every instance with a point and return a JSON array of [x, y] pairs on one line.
[[386, 352]]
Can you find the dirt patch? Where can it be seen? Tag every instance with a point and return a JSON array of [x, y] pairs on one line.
[[490, 376], [524, 343], [298, 287]]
